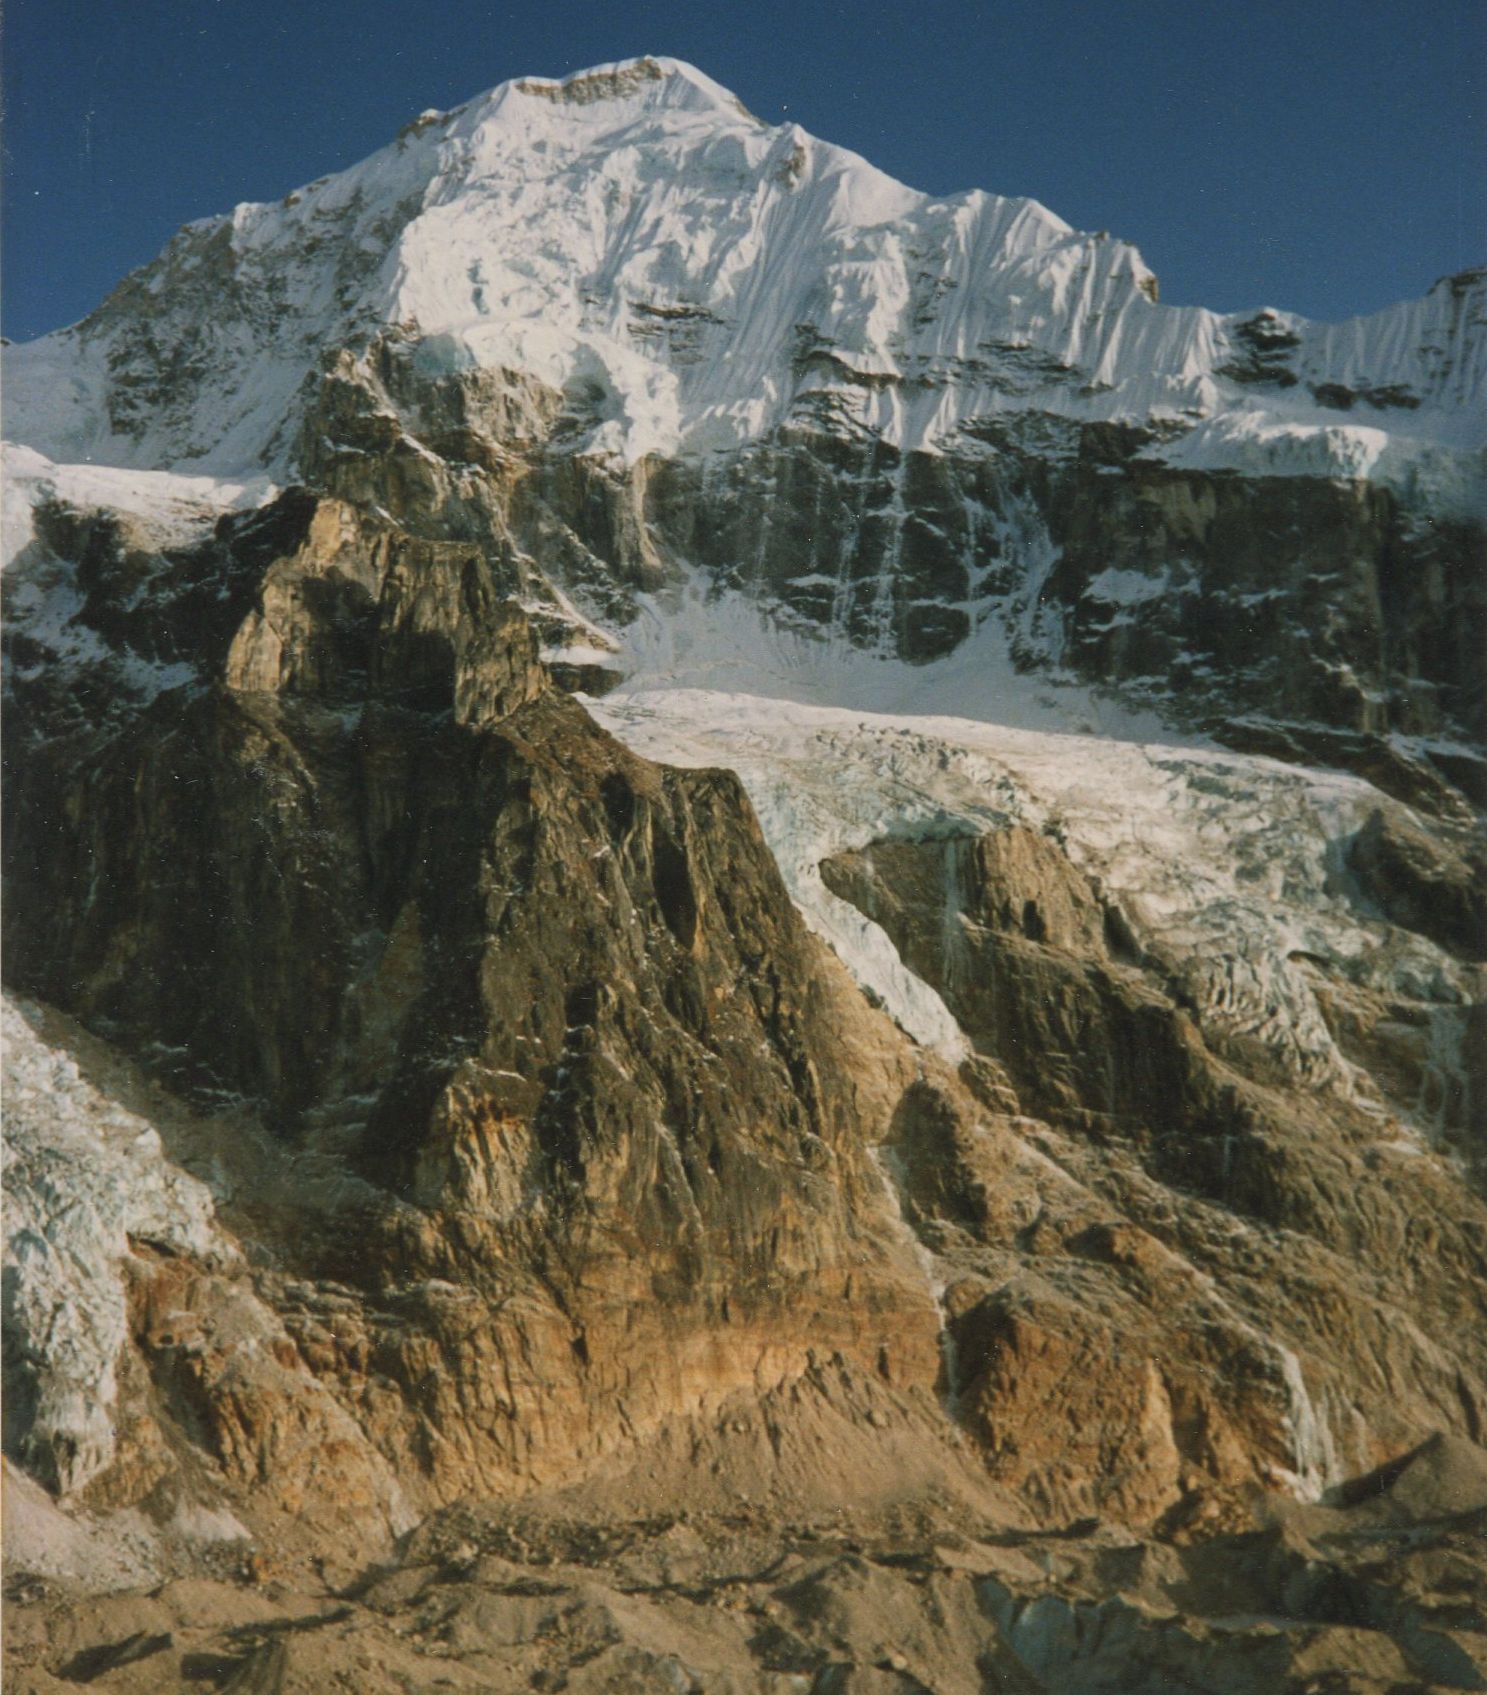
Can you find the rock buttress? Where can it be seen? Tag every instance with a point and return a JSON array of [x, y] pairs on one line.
[[370, 872]]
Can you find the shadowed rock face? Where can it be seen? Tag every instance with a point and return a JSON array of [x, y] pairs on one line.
[[1423, 884], [373, 874], [1295, 599], [1307, 617]]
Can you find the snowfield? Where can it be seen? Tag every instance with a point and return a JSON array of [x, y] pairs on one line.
[[176, 510]]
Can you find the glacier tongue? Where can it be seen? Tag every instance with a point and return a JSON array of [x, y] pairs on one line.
[[85, 1178], [1223, 861]]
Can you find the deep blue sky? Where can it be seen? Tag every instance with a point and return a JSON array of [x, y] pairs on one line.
[[1326, 156]]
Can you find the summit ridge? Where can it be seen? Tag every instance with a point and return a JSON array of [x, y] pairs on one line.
[[632, 230]]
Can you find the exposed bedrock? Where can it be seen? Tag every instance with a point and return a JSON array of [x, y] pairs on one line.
[[1313, 618], [1436, 888], [372, 874], [1308, 618], [607, 1111], [1245, 1282]]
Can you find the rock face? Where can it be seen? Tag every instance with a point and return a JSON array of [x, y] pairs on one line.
[[604, 1138], [1423, 885], [1307, 616], [693, 1190], [377, 877], [1142, 1343]]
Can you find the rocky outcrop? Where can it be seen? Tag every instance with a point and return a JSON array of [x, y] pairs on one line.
[[606, 1101], [1304, 616], [1213, 1299], [1436, 888], [371, 874], [603, 1110]]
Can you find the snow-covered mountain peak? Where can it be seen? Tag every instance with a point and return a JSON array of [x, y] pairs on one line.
[[526, 126], [633, 236]]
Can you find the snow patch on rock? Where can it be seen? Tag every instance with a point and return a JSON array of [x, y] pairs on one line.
[[177, 510]]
